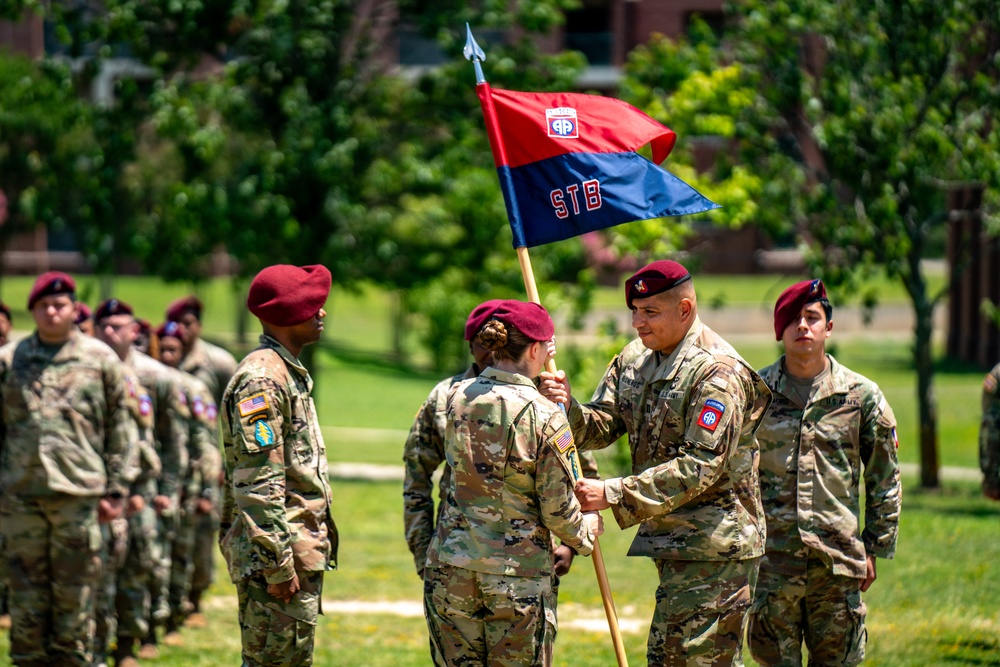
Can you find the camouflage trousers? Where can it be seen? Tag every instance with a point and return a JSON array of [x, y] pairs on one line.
[[206, 544], [277, 633], [799, 599], [133, 598], [701, 612], [53, 552], [113, 551], [487, 619], [182, 563]]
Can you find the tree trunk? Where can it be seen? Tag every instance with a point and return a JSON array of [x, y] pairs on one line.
[[239, 287], [923, 358]]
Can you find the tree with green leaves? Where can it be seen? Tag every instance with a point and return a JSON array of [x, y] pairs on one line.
[[863, 113]]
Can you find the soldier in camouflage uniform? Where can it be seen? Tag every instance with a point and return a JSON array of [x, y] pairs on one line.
[[115, 532], [424, 450], [214, 366], [278, 535], [488, 574], [826, 430], [989, 435], [201, 484], [65, 439], [143, 598], [690, 406]]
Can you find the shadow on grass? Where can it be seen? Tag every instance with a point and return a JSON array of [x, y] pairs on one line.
[[951, 498]]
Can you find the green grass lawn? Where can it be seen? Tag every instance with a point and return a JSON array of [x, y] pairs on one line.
[[934, 605]]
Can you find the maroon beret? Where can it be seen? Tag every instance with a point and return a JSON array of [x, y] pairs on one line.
[[654, 278], [51, 282], [793, 300], [82, 313], [528, 317], [169, 328], [287, 295], [109, 308], [177, 308], [479, 316]]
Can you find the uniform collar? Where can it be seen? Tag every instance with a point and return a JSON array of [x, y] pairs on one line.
[[290, 360], [508, 378], [667, 369], [832, 385]]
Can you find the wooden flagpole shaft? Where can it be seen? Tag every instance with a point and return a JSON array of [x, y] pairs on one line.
[[602, 574]]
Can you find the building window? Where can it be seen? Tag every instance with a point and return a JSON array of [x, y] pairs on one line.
[[588, 30]]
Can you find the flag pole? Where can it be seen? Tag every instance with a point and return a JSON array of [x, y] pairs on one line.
[[474, 52]]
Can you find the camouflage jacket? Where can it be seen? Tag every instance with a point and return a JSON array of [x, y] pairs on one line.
[[144, 463], [989, 430], [212, 365], [204, 460], [812, 461], [65, 427], [512, 455], [690, 420], [276, 496], [170, 419], [422, 456]]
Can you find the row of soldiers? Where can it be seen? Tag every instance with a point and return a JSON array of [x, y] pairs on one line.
[[110, 471]]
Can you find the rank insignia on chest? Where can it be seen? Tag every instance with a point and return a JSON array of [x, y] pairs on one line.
[[255, 403], [563, 439], [711, 414], [263, 434]]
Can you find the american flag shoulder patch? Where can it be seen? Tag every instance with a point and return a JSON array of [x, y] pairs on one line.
[[563, 439], [255, 403]]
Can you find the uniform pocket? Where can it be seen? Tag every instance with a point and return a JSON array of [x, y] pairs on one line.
[[761, 636], [857, 637]]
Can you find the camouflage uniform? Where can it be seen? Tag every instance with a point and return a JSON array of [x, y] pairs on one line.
[[488, 574], [276, 520], [989, 431], [135, 577], [200, 481], [170, 435], [115, 532], [215, 367], [65, 440], [813, 455], [690, 419], [423, 455]]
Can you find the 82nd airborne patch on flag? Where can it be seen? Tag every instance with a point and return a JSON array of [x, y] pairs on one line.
[[711, 414]]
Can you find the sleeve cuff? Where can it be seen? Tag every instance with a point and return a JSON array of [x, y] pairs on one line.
[[282, 573], [613, 490]]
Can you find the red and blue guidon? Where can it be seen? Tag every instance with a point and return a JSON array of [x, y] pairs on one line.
[[568, 165], [711, 414]]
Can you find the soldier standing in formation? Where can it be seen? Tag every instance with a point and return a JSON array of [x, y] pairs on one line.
[[989, 435], [170, 439], [690, 406], [65, 439], [487, 598], [826, 429], [214, 366], [201, 483], [278, 535]]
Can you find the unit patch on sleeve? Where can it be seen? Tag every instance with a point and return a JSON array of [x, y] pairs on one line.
[[263, 434], [710, 415], [256, 403], [563, 439]]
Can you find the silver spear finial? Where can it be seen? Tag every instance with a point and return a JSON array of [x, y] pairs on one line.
[[475, 53]]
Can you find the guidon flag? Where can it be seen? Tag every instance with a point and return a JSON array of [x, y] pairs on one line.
[[568, 164]]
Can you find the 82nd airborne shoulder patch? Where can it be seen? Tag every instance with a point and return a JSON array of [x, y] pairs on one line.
[[711, 414]]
